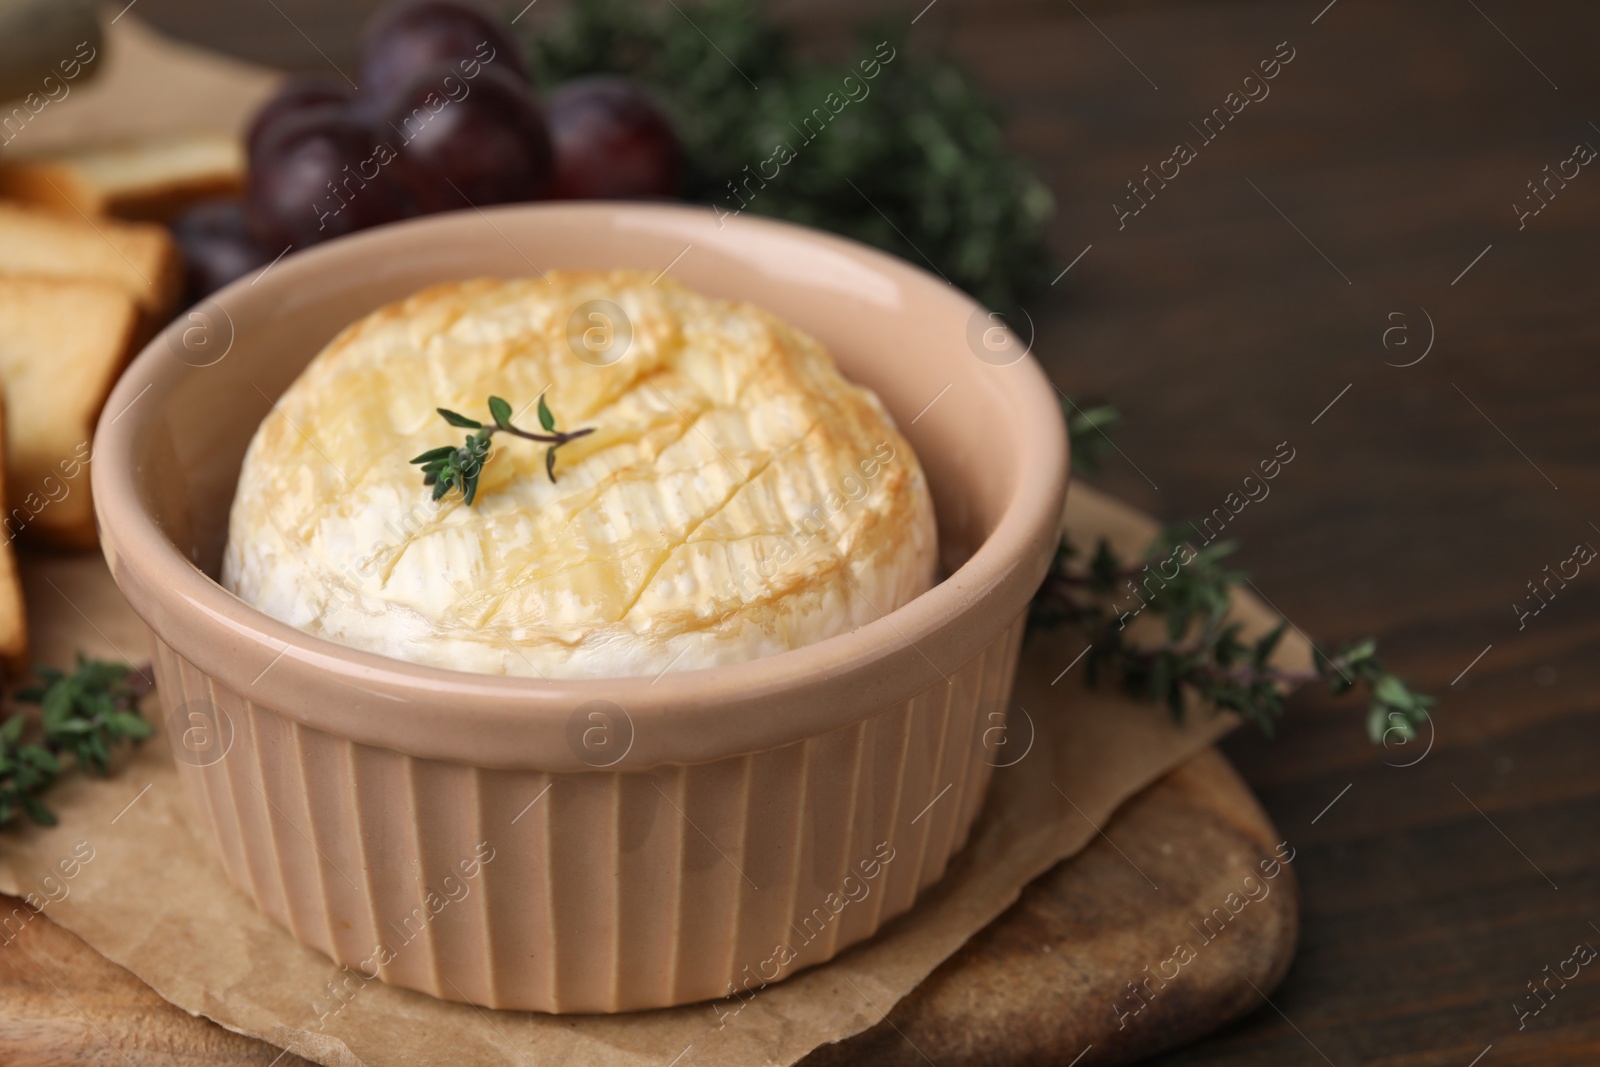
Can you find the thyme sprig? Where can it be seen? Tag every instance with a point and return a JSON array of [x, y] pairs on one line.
[[84, 715], [1203, 654], [458, 466], [913, 160]]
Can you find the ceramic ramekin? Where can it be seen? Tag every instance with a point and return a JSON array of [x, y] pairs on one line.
[[588, 845]]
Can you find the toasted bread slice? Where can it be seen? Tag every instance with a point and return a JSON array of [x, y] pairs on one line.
[[62, 346], [13, 616], [139, 257], [151, 180]]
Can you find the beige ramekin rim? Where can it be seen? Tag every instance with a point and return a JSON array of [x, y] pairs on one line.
[[681, 717]]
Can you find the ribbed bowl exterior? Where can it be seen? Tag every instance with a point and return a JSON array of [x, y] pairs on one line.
[[592, 891], [459, 834]]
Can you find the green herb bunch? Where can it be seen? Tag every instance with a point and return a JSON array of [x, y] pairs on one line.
[[1203, 653], [458, 466], [918, 166], [84, 716]]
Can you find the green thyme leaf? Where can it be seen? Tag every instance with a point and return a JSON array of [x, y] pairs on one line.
[[459, 466], [1191, 593], [919, 165], [37, 811], [1088, 433], [84, 717]]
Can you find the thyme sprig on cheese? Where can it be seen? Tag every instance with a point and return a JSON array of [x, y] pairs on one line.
[[458, 466]]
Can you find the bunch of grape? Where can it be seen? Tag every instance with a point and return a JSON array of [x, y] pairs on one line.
[[445, 119]]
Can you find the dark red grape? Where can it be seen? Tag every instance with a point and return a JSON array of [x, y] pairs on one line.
[[484, 143], [612, 141], [295, 97], [405, 39], [320, 175], [216, 246]]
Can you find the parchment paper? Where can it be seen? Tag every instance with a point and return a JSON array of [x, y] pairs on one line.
[[153, 900]]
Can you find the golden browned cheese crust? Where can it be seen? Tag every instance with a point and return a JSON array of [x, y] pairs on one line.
[[738, 497]]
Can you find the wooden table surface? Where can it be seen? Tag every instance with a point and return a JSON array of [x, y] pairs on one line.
[[1372, 190]]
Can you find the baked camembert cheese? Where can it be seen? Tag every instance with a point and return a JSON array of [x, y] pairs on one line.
[[737, 498]]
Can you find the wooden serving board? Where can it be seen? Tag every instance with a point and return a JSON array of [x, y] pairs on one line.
[[1042, 984]]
